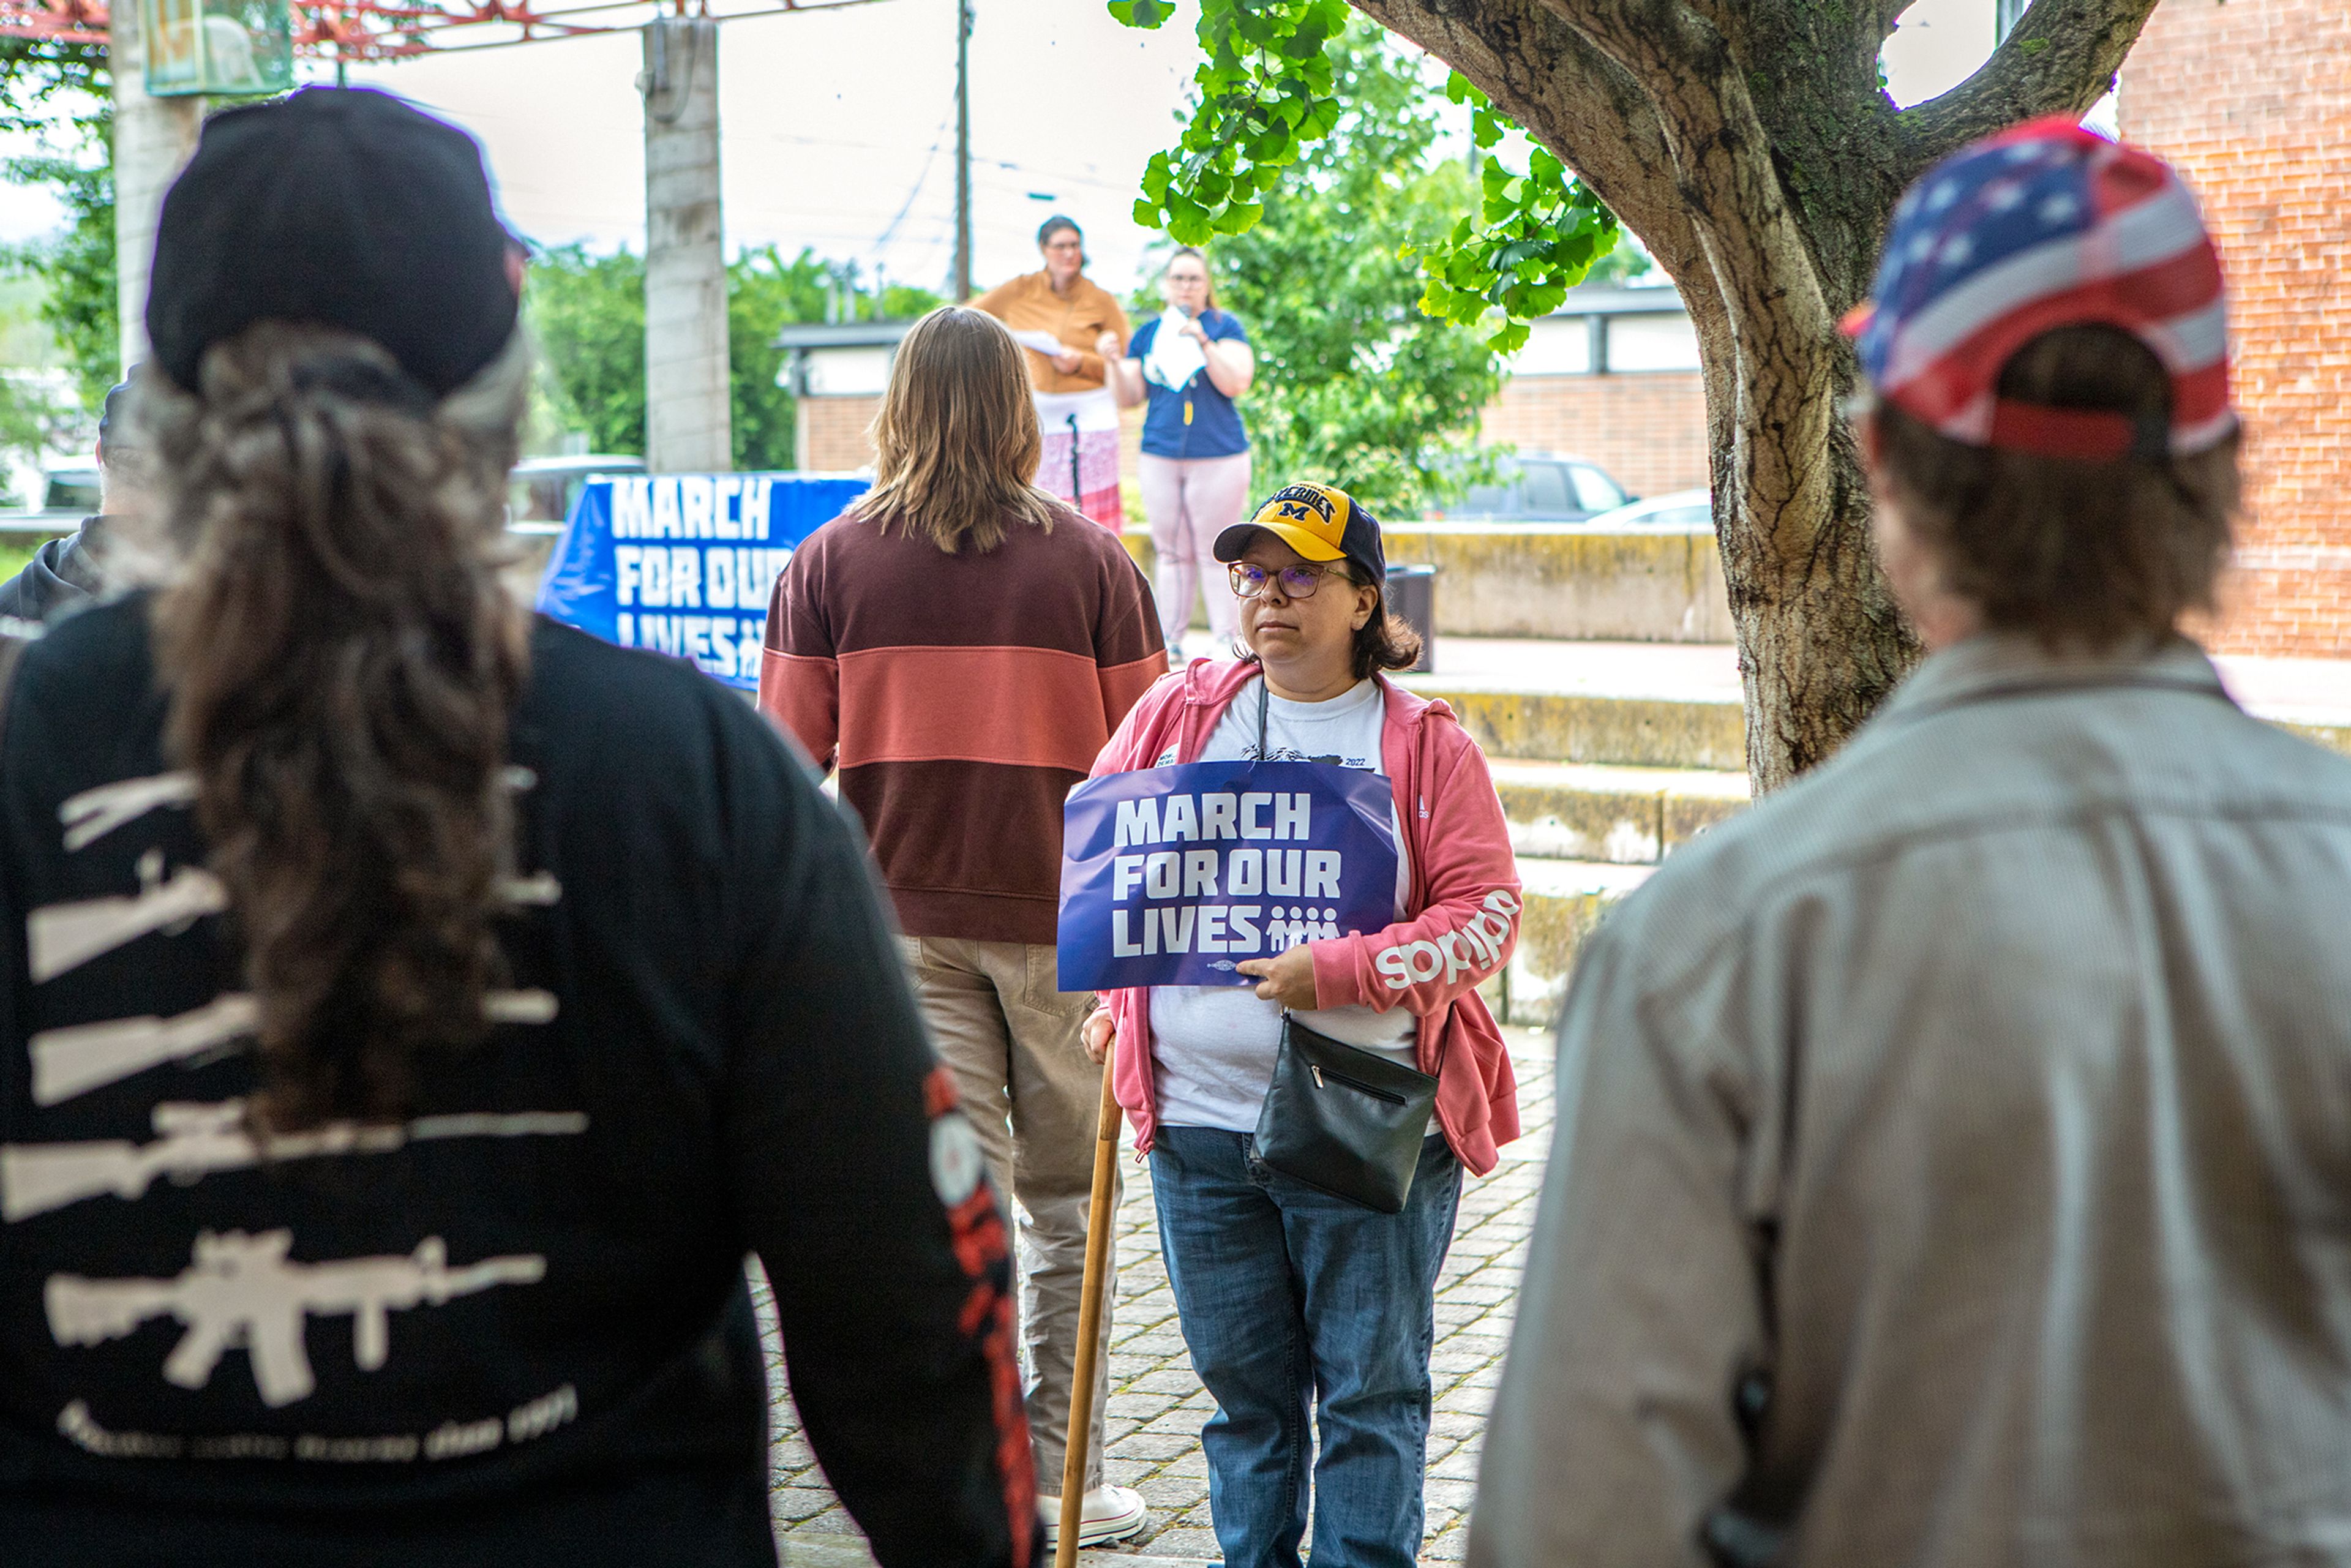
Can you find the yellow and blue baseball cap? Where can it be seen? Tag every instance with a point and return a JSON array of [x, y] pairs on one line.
[[1318, 522]]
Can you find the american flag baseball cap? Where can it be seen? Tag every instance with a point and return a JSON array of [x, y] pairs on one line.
[[2041, 226]]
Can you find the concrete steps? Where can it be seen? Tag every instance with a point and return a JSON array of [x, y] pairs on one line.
[[1610, 812], [1595, 727], [1564, 900]]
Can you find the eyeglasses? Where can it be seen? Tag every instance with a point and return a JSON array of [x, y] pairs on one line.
[[1297, 581]]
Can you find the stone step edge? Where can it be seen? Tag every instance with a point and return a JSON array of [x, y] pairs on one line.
[[1563, 900], [799, 1552], [1601, 730], [1596, 811]]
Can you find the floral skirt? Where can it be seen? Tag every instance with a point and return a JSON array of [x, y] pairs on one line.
[[1080, 460]]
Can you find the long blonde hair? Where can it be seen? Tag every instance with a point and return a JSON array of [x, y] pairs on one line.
[[956, 440]]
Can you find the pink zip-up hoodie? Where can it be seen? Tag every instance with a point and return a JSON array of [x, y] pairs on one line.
[[1461, 918]]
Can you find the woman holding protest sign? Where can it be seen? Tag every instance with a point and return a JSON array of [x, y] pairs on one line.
[[1316, 1289]]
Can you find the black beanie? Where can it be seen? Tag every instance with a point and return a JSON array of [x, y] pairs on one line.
[[342, 206]]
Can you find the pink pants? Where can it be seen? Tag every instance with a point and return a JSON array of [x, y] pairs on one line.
[[1191, 500]]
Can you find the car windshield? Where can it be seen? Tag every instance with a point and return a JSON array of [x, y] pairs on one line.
[[1544, 488], [72, 491], [1595, 491]]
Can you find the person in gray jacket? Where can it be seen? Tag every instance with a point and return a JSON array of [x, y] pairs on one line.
[[65, 574], [1954, 1162]]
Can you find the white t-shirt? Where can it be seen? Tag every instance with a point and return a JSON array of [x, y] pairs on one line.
[[1213, 1045]]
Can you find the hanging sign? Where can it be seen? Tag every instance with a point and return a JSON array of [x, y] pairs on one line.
[[220, 49], [684, 563], [1173, 876]]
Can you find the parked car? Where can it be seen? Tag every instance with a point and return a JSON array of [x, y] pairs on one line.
[[543, 489], [1683, 511], [70, 489], [1539, 487], [66, 494]]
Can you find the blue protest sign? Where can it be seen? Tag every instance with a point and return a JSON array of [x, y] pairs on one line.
[[682, 563], [1172, 876]]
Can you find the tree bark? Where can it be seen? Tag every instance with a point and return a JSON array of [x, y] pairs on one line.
[[1752, 147]]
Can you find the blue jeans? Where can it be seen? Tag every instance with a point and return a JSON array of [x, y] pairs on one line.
[[1290, 1298]]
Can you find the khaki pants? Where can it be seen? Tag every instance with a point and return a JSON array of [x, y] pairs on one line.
[[1010, 1037]]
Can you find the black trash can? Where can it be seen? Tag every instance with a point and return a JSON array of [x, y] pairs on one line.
[[1412, 593]]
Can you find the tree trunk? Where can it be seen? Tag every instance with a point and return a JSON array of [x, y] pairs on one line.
[[1821, 641], [1751, 145]]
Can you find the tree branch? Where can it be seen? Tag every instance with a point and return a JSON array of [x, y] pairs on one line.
[[2060, 59], [1576, 101], [1778, 315]]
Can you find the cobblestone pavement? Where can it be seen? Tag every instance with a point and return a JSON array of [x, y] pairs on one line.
[[1157, 1405]]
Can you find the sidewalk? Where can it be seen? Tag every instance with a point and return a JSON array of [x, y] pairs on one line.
[[1157, 1405]]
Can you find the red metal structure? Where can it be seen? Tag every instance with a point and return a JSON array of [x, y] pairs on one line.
[[375, 30]]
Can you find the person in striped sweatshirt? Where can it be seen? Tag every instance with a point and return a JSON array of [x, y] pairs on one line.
[[960, 645]]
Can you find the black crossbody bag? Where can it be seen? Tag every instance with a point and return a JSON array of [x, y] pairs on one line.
[[1347, 1121]]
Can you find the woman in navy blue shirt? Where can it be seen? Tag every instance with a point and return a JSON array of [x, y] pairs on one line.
[[1190, 364]]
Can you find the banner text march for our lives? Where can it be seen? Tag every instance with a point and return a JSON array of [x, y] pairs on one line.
[[682, 563], [1173, 876]]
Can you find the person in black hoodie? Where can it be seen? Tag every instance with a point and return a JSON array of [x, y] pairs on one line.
[[415, 1011], [67, 573]]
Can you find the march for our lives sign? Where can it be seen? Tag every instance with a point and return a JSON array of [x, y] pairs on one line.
[[683, 563], [1173, 876]]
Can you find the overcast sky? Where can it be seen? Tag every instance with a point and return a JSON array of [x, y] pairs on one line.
[[839, 130]]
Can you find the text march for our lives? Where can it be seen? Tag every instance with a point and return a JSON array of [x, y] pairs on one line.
[[684, 563], [1174, 876]]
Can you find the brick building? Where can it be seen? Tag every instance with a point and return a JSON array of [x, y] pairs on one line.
[[2252, 99], [1612, 377]]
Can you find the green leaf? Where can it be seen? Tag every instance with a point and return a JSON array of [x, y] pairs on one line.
[[1145, 14], [1485, 127], [1543, 167], [1544, 298], [1239, 218], [1511, 339]]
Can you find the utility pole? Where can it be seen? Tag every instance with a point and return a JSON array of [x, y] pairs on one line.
[[2010, 12], [963, 151], [153, 139], [688, 374]]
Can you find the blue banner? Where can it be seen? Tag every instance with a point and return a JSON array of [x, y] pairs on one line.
[[1172, 876], [682, 563]]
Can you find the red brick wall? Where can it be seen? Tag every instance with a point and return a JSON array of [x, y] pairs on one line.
[[831, 436], [2252, 99], [1646, 428]]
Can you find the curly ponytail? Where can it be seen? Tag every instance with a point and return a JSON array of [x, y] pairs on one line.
[[342, 664]]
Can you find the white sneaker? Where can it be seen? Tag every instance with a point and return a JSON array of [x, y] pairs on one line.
[[1108, 1514]]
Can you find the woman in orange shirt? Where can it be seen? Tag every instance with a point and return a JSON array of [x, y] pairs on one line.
[[1061, 317]]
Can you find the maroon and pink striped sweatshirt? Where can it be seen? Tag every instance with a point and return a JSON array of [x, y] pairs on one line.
[[961, 697]]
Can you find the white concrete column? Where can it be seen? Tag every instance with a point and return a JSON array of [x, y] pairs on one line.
[[687, 428], [153, 139]]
